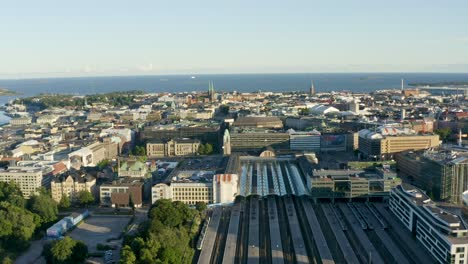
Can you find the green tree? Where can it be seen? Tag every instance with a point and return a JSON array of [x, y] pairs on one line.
[[127, 256], [10, 192], [80, 252], [443, 133], [200, 206], [43, 205], [103, 163], [304, 111], [66, 250], [17, 225], [201, 149], [224, 109], [85, 198], [208, 148], [139, 151], [65, 202]]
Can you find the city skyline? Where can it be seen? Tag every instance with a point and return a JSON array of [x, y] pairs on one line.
[[154, 38]]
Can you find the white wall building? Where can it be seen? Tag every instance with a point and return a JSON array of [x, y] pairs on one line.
[[443, 234]]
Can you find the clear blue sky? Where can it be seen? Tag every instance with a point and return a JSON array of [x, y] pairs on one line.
[[82, 38]]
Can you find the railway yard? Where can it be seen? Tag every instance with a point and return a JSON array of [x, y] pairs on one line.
[[293, 229]]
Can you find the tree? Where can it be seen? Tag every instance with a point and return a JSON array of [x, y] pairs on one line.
[[103, 163], [139, 150], [443, 133], [66, 250], [224, 109], [304, 111], [208, 148], [10, 192], [200, 206], [43, 205], [17, 225], [65, 202], [201, 149], [85, 198], [127, 256]]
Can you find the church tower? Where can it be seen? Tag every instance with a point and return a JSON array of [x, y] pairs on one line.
[[312, 89], [211, 92]]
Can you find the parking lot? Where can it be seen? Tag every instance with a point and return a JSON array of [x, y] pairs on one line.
[[98, 229]]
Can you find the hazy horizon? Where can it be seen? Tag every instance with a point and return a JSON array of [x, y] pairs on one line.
[[114, 38]]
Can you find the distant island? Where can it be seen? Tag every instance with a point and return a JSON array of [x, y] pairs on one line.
[[435, 84], [5, 92]]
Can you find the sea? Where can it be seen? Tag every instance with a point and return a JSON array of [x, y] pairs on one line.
[[354, 82]]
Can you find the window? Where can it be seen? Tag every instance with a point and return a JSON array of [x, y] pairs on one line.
[[460, 249]]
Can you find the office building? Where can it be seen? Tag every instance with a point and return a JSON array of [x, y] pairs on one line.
[[387, 141], [171, 148], [121, 193], [259, 122], [334, 184], [258, 139], [192, 187], [442, 174], [443, 234], [28, 179], [305, 141]]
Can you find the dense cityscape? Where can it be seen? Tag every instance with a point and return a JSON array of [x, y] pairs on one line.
[[234, 132], [228, 177]]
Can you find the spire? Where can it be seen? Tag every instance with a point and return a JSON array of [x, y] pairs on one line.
[[312, 88]]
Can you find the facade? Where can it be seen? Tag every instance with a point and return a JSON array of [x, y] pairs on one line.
[[379, 145], [20, 121], [91, 155], [59, 229], [226, 142], [71, 185], [121, 193], [306, 141], [442, 174], [259, 122], [208, 132], [193, 187], [132, 168], [333, 184], [28, 179], [47, 119], [171, 148], [257, 139], [443, 234]]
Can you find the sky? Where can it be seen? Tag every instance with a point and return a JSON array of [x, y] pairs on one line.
[[97, 38]]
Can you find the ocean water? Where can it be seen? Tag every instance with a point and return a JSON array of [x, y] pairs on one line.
[[356, 82]]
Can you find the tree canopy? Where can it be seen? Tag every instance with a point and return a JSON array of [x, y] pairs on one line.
[[443, 133], [43, 205], [85, 198], [165, 237], [66, 250]]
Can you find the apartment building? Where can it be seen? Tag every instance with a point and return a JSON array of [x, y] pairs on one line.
[[71, 184], [28, 179], [443, 234]]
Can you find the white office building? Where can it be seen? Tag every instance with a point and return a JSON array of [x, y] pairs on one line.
[[443, 234], [307, 141]]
